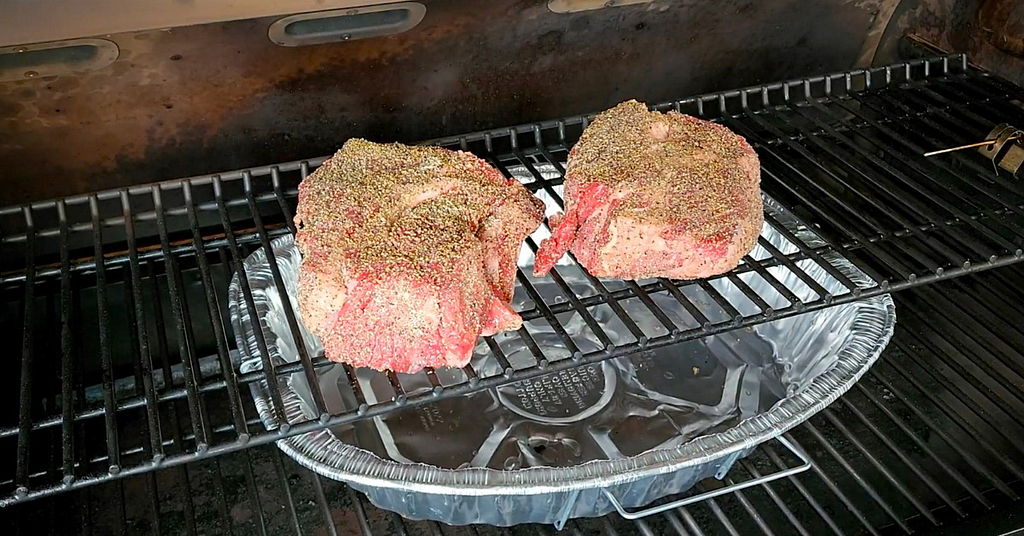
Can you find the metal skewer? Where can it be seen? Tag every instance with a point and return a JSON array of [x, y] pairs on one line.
[[970, 146]]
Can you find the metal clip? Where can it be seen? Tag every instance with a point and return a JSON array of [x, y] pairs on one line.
[[1006, 150], [1002, 146]]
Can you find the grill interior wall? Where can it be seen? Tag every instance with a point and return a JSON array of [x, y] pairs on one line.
[[215, 97]]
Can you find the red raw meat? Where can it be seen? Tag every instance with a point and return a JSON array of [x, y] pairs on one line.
[[409, 254], [649, 194]]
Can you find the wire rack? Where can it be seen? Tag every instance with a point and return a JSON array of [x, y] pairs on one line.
[[923, 441], [115, 301]]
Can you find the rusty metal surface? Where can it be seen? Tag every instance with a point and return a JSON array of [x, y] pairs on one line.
[[200, 99], [990, 32], [1002, 22]]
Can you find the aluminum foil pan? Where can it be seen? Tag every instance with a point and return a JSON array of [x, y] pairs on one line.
[[551, 448]]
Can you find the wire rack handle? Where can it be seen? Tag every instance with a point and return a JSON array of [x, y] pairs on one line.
[[721, 491]]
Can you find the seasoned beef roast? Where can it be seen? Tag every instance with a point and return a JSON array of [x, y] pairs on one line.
[[651, 194], [409, 254]]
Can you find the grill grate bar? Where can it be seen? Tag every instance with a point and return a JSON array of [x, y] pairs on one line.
[[828, 483], [180, 473], [653, 308], [953, 410], [961, 159], [222, 502], [25, 398], [947, 173], [67, 401], [279, 195], [435, 382], [776, 284], [767, 312], [321, 501], [645, 530], [723, 519], [995, 95], [675, 523], [1002, 378], [691, 524], [548, 315], [471, 377], [574, 302], [190, 517], [730, 310], [992, 404], [749, 507], [947, 468], [350, 375], [283, 479], [915, 188], [250, 304], [805, 495], [357, 504], [774, 180], [289, 313], [396, 386], [902, 456], [106, 364], [769, 489], [138, 316], [214, 310], [154, 504], [872, 458], [928, 98], [818, 290], [868, 489], [179, 311], [255, 503], [398, 524], [694, 311], [499, 356]]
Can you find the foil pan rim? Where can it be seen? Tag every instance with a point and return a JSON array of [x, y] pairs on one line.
[[359, 466]]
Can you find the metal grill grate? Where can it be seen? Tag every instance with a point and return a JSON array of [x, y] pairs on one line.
[[116, 299], [917, 443]]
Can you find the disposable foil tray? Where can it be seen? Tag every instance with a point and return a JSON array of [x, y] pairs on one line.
[[578, 442]]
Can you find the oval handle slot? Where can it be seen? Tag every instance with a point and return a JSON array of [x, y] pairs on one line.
[[346, 24], [575, 6], [55, 58]]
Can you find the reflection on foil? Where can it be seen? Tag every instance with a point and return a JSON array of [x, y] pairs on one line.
[[621, 407], [618, 408]]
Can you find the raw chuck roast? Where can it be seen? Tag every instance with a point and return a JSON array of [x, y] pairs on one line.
[[409, 254], [649, 194]]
